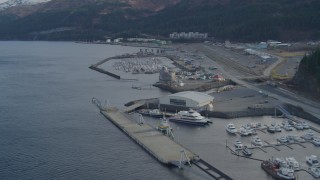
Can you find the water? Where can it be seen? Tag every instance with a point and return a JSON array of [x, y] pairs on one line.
[[50, 130]]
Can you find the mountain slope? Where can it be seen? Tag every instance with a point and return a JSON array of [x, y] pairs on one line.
[[245, 20]]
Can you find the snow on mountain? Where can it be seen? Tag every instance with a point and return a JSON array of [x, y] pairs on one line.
[[5, 4]]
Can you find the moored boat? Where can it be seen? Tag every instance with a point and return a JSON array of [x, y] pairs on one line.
[[256, 141], [246, 151], [238, 145], [190, 117], [231, 129], [293, 163], [315, 171], [312, 160], [277, 172]]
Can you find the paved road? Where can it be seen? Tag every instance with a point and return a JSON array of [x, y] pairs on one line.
[[307, 105]]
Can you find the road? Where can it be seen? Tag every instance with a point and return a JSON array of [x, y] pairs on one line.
[[290, 98]]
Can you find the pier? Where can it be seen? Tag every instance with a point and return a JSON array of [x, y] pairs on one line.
[[160, 146]]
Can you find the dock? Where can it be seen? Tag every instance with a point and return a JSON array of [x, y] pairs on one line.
[[154, 142]]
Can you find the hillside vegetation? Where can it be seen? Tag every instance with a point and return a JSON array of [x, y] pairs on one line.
[[245, 20]]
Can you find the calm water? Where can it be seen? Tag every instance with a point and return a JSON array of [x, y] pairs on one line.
[[50, 130]]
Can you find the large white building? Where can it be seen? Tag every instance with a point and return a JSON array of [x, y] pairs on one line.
[[191, 99]]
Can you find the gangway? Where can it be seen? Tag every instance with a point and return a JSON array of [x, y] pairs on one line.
[[285, 112], [210, 170]]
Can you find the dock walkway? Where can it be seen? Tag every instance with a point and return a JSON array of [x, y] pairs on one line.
[[160, 146]]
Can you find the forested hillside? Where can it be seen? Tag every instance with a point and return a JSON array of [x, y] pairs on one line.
[[245, 20]]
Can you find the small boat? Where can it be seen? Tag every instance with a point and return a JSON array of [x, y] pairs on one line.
[[315, 171], [305, 125], [238, 144], [256, 141], [308, 135], [163, 125], [231, 129], [316, 141], [293, 163], [271, 129], [246, 151], [277, 172], [298, 126], [243, 132], [283, 139], [287, 127], [277, 128], [156, 113], [312, 160]]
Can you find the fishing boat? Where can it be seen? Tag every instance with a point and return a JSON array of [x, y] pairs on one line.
[[190, 117], [277, 172], [231, 129], [312, 160]]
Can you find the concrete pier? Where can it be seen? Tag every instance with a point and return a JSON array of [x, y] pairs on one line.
[[154, 142]]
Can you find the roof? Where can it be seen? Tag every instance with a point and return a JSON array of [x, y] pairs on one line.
[[194, 95]]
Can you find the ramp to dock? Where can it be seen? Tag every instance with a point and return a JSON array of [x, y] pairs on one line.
[[160, 146], [134, 106], [210, 170]]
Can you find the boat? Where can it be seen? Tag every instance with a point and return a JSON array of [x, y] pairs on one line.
[[298, 126], [156, 113], [256, 141], [283, 139], [305, 125], [312, 160], [287, 127], [293, 163], [277, 128], [243, 132], [246, 151], [308, 135], [271, 129], [190, 117], [231, 129], [316, 141], [315, 171], [163, 125], [277, 172], [238, 144]]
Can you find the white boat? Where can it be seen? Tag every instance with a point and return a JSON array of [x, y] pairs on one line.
[[277, 128], [316, 141], [286, 173], [231, 129], [238, 144], [243, 132], [190, 117], [283, 139], [308, 135], [312, 160], [305, 125], [315, 171], [271, 129], [287, 127], [256, 141], [298, 126], [281, 162], [293, 163]]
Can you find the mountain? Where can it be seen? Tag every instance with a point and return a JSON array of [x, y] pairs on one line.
[[245, 20], [13, 3]]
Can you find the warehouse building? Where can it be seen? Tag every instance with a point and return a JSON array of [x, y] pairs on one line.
[[188, 99]]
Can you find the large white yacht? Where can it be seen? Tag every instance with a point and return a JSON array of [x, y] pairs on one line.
[[190, 117]]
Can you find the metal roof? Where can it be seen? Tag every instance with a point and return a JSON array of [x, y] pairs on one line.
[[194, 95]]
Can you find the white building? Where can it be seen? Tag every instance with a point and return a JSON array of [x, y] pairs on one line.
[[191, 99], [189, 35]]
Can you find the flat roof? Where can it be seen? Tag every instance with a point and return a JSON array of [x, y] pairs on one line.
[[194, 95]]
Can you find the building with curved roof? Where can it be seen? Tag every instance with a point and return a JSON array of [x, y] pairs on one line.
[[190, 99]]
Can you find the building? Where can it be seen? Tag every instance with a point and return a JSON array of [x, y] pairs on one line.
[[189, 35], [188, 99]]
